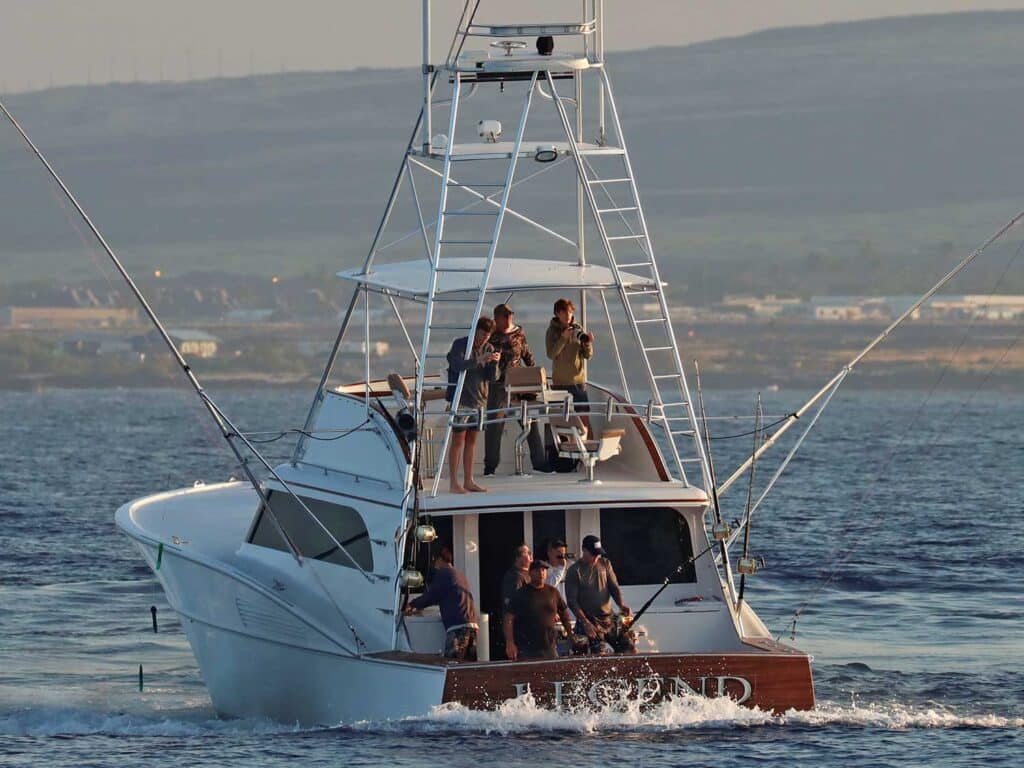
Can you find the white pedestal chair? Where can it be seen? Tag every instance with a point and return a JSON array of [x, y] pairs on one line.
[[568, 435], [526, 384]]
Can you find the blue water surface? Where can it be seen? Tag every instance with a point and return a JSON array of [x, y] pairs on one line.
[[900, 523]]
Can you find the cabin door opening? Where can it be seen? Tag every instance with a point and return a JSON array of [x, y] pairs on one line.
[[500, 533]]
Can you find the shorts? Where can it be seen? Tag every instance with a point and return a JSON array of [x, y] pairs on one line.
[[460, 644], [465, 422]]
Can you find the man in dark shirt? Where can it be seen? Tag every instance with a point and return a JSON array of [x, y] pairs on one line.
[[450, 591], [517, 576], [531, 618], [510, 340], [590, 587]]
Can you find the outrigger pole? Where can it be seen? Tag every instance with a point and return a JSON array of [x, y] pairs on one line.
[[720, 531], [836, 380], [227, 428]]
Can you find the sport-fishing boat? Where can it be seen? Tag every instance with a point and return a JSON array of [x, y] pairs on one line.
[[291, 584], [291, 593]]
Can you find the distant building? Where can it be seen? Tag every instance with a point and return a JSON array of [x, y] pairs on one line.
[[980, 306], [97, 344], [189, 342], [765, 307], [67, 317], [838, 312]]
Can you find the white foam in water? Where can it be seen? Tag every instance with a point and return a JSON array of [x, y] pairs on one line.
[[520, 715], [686, 712], [70, 712]]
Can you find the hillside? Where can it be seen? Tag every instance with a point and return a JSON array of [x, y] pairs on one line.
[[834, 159]]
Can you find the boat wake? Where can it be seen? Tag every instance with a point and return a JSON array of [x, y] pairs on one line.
[[695, 712], [516, 716], [70, 721]]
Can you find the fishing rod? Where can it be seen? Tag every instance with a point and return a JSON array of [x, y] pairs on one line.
[[745, 562], [664, 585], [837, 379], [226, 426]]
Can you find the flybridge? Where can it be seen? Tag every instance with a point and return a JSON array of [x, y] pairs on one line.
[[505, 105]]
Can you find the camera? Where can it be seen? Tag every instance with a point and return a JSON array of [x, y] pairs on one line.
[[583, 336]]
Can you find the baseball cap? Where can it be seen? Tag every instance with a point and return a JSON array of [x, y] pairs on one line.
[[537, 564], [593, 545]]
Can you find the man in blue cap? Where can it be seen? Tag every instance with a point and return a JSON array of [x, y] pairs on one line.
[[590, 587]]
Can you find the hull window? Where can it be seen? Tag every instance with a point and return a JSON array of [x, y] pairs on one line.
[[646, 544], [344, 523]]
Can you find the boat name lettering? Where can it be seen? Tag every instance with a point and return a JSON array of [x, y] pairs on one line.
[[646, 689]]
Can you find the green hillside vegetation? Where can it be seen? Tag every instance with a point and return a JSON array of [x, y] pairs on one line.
[[841, 159]]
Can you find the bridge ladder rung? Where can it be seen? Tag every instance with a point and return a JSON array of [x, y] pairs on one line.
[[471, 213], [607, 181], [618, 210], [635, 264], [466, 242], [625, 237], [667, 376], [658, 349], [473, 185], [650, 320]]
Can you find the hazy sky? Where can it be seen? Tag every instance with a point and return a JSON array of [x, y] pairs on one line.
[[44, 42]]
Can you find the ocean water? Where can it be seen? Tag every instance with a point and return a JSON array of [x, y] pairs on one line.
[[900, 523]]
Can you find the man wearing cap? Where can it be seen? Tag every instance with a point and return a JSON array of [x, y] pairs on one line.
[[590, 587], [531, 620], [509, 340]]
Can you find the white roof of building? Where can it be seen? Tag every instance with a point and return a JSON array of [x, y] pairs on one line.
[[411, 278]]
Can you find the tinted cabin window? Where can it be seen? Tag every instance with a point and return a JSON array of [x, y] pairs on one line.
[[344, 523], [645, 545], [547, 524]]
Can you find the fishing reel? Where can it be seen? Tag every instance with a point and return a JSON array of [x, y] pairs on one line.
[[425, 533], [410, 578], [748, 566], [721, 531]]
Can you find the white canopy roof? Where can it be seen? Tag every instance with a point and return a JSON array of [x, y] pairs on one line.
[[410, 278]]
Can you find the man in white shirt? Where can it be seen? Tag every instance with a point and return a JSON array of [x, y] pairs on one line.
[[558, 557]]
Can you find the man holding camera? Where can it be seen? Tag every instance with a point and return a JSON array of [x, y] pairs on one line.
[[510, 340], [569, 346]]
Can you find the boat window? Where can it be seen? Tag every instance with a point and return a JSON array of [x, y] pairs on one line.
[[646, 544], [547, 524], [344, 523]]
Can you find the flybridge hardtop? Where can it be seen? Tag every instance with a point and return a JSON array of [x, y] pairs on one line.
[[291, 587], [480, 165]]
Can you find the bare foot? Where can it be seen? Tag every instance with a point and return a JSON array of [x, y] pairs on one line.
[[453, 488], [471, 486]]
